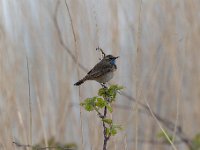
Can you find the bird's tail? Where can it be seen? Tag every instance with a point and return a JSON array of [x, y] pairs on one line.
[[80, 82]]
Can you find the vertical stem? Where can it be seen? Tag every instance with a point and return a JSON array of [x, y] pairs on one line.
[[105, 138], [105, 144], [29, 95], [77, 64], [104, 130], [138, 42]]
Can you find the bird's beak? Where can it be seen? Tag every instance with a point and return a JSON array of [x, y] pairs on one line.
[[116, 57]]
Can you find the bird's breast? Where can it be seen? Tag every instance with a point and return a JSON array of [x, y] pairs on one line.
[[105, 78]]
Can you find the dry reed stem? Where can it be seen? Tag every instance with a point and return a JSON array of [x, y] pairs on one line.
[[159, 124], [29, 100], [19, 115], [66, 48], [77, 64], [178, 79], [42, 122], [40, 148], [125, 142], [138, 47]]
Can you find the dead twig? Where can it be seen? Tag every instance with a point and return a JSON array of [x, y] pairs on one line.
[[102, 52], [29, 100], [41, 148]]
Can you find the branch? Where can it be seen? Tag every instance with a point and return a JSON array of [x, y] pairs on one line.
[[41, 148], [71, 21], [106, 138], [155, 142], [99, 114], [102, 52], [29, 100], [55, 21]]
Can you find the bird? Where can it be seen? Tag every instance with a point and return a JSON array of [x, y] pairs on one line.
[[102, 72]]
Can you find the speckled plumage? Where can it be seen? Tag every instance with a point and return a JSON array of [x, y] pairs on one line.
[[102, 72]]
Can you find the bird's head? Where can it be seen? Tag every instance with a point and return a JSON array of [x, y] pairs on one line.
[[111, 59]]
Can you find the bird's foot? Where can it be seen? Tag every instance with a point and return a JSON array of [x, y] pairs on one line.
[[103, 85]]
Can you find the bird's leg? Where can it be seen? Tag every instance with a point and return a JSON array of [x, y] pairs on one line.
[[101, 50], [119, 92], [103, 85]]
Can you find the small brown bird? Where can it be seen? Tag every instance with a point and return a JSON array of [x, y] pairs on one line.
[[102, 72]]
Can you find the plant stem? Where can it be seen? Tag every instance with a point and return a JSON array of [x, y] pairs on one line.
[[106, 137], [104, 130]]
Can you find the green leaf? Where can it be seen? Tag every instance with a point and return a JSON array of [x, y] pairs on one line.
[[89, 107], [116, 87], [162, 136], [107, 120], [118, 127], [196, 142], [109, 108], [82, 103], [100, 103], [107, 131], [89, 104], [113, 131], [112, 91], [102, 92], [90, 101]]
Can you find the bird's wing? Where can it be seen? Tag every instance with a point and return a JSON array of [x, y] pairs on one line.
[[98, 65], [99, 69], [98, 73]]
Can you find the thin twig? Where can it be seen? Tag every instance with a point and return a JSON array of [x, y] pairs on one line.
[[179, 78], [55, 21], [160, 126], [71, 21], [29, 99], [138, 43], [106, 137], [154, 142], [99, 114], [102, 52], [77, 64], [41, 148]]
